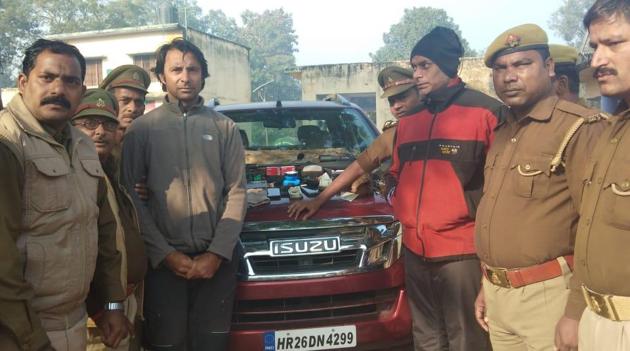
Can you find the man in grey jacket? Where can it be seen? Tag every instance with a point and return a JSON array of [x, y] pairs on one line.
[[193, 161]]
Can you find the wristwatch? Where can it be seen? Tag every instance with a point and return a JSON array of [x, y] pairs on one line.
[[114, 306]]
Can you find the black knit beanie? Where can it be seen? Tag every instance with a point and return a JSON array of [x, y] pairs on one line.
[[443, 47]]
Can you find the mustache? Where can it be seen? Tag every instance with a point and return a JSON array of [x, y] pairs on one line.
[[510, 88], [56, 100], [603, 71]]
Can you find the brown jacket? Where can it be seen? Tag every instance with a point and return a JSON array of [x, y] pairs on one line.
[[134, 244], [129, 238], [61, 232], [602, 244], [528, 213]]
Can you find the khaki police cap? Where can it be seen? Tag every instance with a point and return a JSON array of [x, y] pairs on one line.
[[520, 38], [563, 54], [127, 76], [395, 80], [97, 102]]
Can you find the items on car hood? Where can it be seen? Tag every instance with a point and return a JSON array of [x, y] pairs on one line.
[[348, 196], [312, 171], [291, 178], [273, 193], [257, 184], [309, 192], [295, 192], [324, 181], [257, 197]]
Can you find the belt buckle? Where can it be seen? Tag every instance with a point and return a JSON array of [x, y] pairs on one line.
[[498, 276], [600, 304]]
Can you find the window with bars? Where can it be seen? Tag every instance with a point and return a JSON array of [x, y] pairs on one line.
[[93, 72], [147, 62]]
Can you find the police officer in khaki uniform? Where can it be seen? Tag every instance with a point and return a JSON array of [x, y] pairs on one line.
[[129, 84], [400, 91], [527, 217], [602, 245], [57, 230], [97, 117], [567, 80]]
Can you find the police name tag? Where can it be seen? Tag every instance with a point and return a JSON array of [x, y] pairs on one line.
[[311, 339]]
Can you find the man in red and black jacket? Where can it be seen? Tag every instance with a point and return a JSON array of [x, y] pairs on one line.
[[438, 164]]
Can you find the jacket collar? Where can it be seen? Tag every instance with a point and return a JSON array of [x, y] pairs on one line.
[[543, 109], [440, 99], [27, 122], [623, 110], [174, 104]]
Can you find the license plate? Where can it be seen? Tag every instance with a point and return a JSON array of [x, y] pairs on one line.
[[296, 247], [311, 339]]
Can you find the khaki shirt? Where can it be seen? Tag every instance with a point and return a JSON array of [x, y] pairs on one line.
[[528, 214], [379, 151], [602, 244]]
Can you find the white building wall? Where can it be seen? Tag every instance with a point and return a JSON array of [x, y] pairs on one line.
[[228, 65], [363, 78], [117, 50], [228, 62]]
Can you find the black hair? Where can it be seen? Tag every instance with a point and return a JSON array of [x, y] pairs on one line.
[[571, 72], [54, 46], [184, 46], [602, 9]]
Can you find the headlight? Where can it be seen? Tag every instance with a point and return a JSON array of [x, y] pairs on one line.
[[384, 245]]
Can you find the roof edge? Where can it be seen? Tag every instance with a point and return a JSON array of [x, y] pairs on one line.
[[133, 30]]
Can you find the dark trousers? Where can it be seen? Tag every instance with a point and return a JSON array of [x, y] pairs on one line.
[[189, 315], [441, 298]]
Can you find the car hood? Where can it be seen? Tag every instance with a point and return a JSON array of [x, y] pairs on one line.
[[373, 205]]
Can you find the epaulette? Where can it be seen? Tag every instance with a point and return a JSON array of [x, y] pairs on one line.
[[391, 123], [597, 117], [8, 140], [574, 109], [591, 118]]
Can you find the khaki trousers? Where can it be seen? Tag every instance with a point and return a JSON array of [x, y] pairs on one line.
[[598, 333], [72, 339], [131, 308], [524, 319]]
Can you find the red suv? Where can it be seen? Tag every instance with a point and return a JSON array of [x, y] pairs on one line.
[[334, 281]]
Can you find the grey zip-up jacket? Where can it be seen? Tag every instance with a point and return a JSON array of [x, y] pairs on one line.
[[194, 166]]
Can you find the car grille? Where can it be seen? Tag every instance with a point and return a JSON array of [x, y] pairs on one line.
[[306, 264], [365, 244], [286, 312]]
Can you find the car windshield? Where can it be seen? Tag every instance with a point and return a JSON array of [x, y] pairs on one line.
[[303, 134]]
